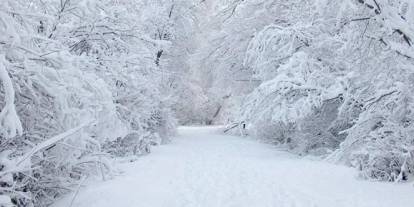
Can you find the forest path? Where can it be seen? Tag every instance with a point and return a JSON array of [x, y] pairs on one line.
[[202, 168]]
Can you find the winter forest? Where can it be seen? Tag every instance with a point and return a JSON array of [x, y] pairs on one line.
[[88, 84]]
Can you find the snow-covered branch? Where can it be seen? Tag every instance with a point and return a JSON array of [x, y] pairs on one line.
[[10, 124]]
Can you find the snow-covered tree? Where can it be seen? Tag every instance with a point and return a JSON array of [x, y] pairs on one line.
[[79, 79], [325, 76]]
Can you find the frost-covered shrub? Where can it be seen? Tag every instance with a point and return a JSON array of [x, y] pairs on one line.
[[131, 144], [316, 134], [49, 103], [379, 149], [380, 143], [296, 107]]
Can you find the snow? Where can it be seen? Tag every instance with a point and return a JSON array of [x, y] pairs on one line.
[[203, 168]]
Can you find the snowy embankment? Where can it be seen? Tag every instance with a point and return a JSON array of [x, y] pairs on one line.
[[205, 169]]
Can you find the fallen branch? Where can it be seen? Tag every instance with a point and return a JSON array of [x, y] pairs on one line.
[[50, 142], [234, 125]]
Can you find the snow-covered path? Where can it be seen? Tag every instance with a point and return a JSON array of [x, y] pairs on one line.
[[202, 168]]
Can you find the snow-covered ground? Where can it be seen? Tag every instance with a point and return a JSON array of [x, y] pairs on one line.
[[202, 168]]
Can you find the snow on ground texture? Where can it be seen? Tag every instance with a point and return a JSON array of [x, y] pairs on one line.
[[202, 168]]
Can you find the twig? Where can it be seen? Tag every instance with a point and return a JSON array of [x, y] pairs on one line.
[[77, 191]]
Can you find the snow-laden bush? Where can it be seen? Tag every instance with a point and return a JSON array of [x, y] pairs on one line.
[[51, 101], [53, 96], [296, 106], [380, 144]]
